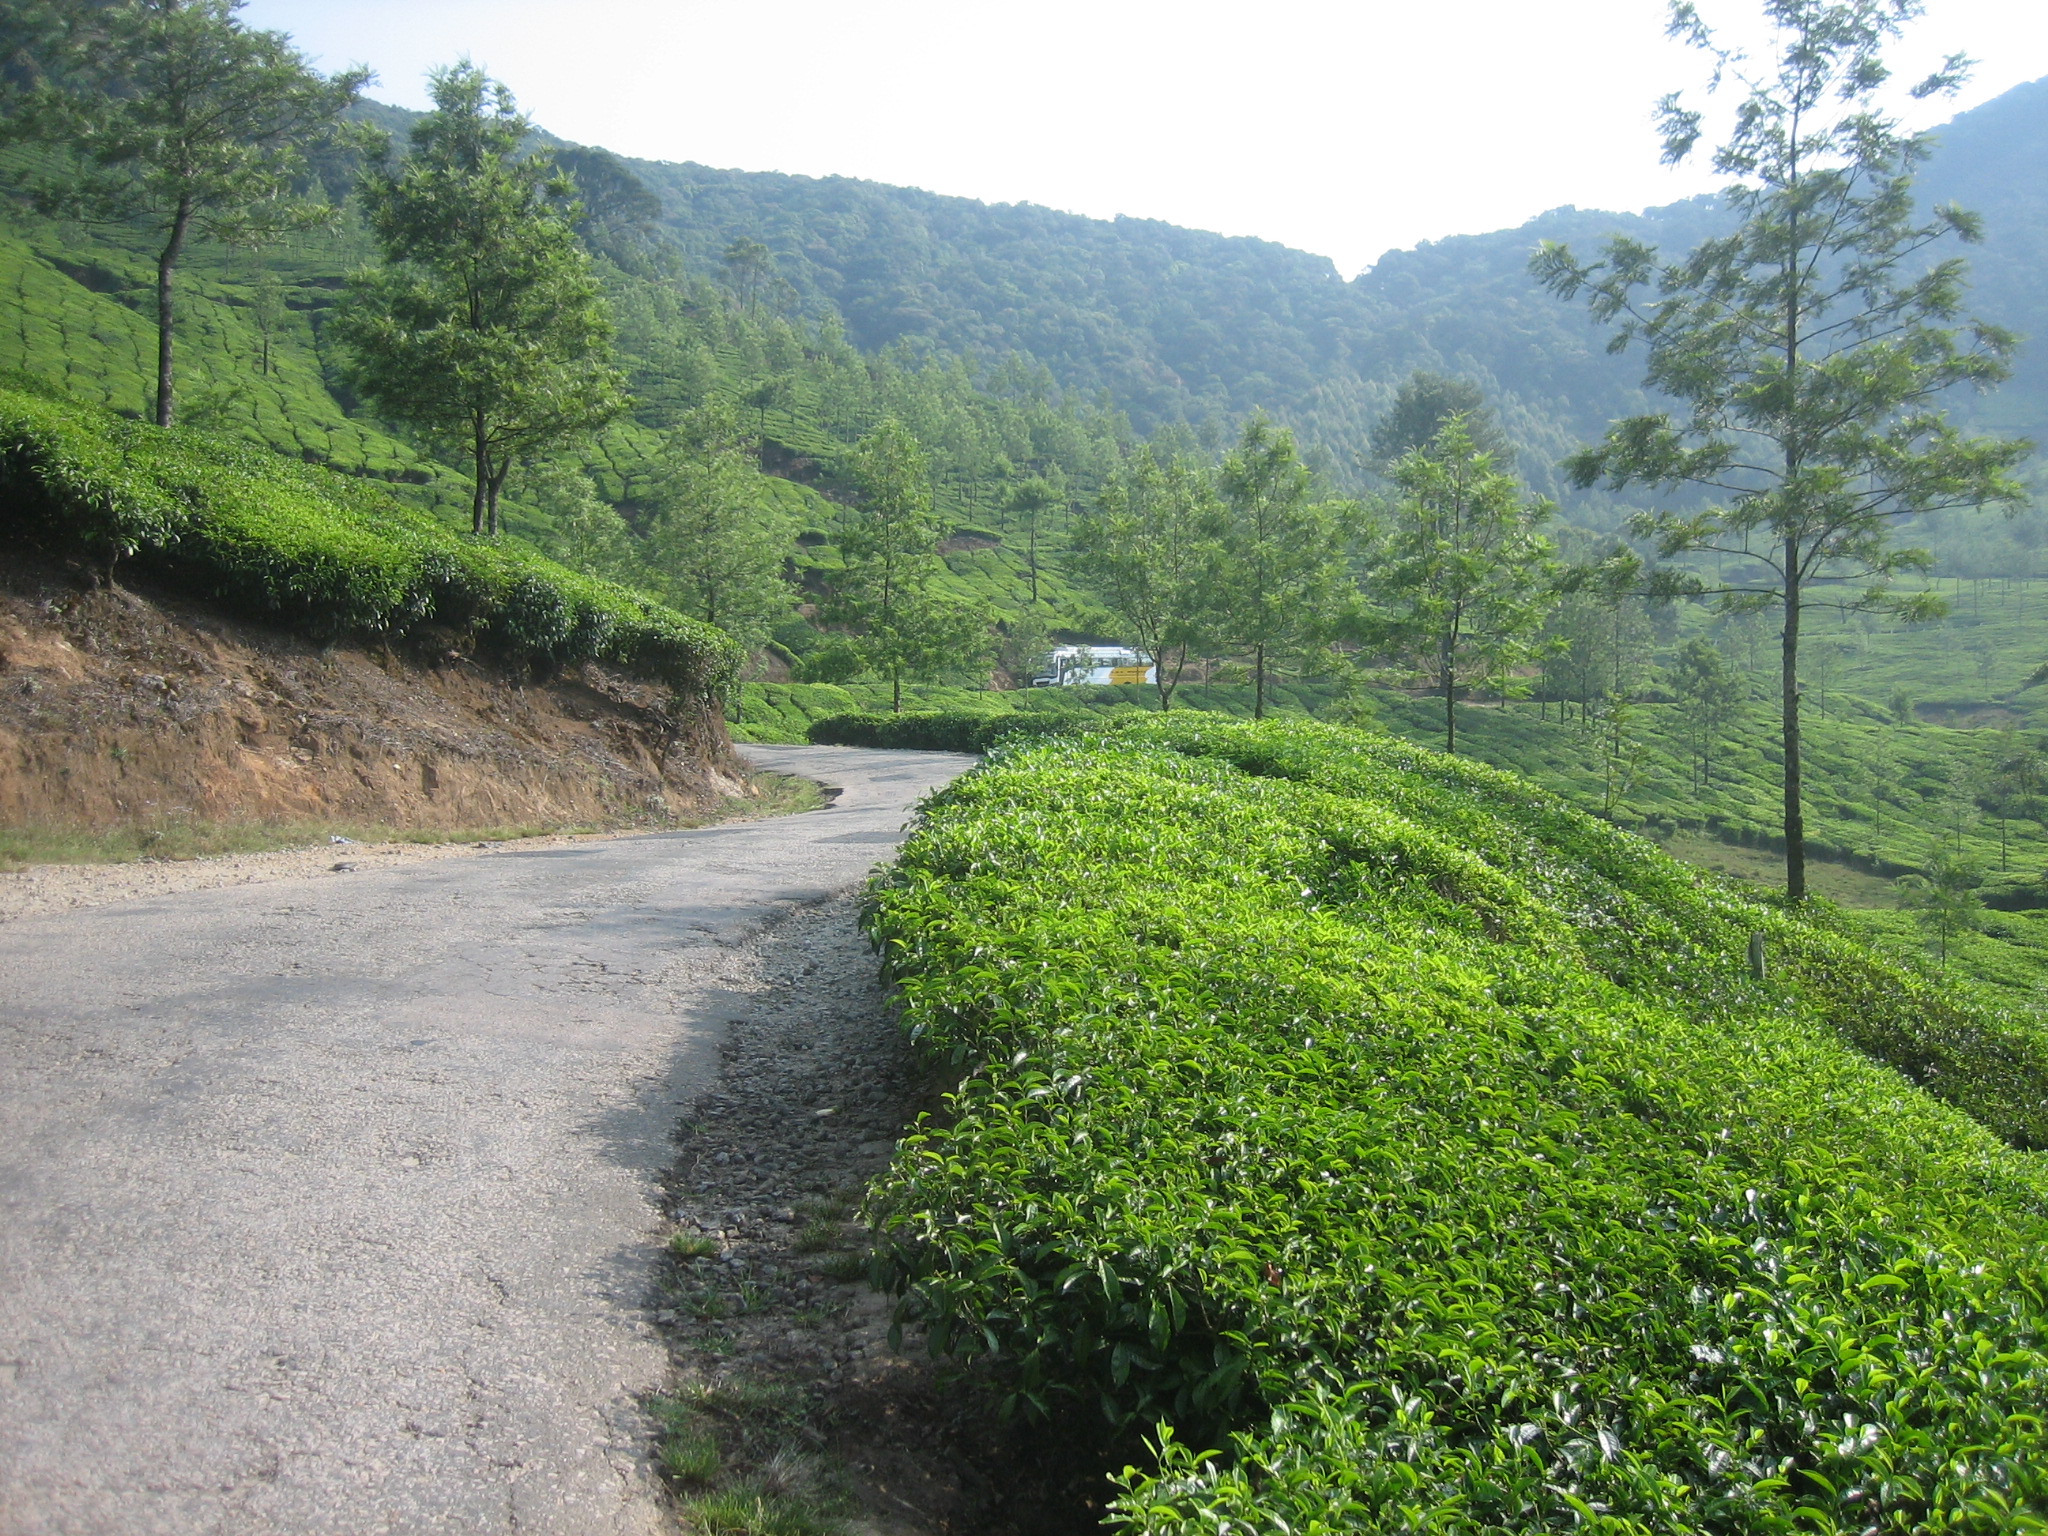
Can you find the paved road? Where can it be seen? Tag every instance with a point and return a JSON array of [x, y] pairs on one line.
[[328, 1206]]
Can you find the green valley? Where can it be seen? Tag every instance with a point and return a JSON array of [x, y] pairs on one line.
[[1521, 1003]]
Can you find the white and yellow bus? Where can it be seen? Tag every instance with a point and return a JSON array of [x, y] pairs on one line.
[[1070, 666]]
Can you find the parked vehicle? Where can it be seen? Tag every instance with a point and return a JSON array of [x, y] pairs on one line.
[[1070, 666]]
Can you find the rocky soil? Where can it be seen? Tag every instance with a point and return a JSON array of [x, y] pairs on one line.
[[126, 708], [782, 1351]]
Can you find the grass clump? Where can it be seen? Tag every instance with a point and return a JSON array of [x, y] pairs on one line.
[[730, 1449], [1427, 1146]]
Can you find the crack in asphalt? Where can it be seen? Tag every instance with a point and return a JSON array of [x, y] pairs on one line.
[[293, 1179]]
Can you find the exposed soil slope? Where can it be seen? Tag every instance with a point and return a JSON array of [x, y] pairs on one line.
[[124, 707]]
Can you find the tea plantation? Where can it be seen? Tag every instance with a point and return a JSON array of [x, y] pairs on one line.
[[1405, 1150], [316, 551]]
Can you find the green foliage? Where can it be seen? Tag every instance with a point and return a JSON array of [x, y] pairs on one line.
[[174, 117], [1813, 347], [1152, 548], [1944, 900], [716, 544], [1712, 696], [1278, 569], [1459, 582], [485, 328], [937, 730], [888, 546], [310, 550], [1430, 1144], [1422, 407]]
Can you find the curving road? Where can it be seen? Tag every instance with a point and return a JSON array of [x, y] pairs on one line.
[[329, 1205]]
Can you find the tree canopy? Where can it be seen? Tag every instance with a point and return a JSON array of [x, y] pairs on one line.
[[485, 327], [1813, 348]]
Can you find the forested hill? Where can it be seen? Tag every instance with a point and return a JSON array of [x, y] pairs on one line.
[[1176, 324], [1181, 325]]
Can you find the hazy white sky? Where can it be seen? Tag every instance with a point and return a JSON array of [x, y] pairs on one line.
[[1345, 127]]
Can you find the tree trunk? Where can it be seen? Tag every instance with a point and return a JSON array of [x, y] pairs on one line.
[[1450, 717], [166, 346], [1259, 682], [480, 470], [498, 473], [1795, 813], [896, 691]]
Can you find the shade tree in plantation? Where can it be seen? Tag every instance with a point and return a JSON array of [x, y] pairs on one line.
[[1593, 645], [484, 326], [1422, 406], [888, 545], [1459, 580], [715, 548], [585, 532], [1279, 567], [1151, 549], [1711, 694], [1943, 899], [171, 116], [1032, 503], [1808, 351]]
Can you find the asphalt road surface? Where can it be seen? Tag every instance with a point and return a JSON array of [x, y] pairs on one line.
[[329, 1205]]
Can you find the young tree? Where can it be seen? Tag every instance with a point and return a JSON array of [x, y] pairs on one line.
[[1711, 695], [1460, 582], [1150, 549], [173, 116], [485, 327], [889, 545], [716, 546], [1279, 566], [585, 533], [1032, 500], [1810, 348], [1943, 900]]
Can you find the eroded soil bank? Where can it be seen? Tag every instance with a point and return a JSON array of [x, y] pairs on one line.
[[788, 1389], [122, 708]]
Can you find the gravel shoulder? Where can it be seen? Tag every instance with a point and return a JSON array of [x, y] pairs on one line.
[[339, 1204], [783, 1362]]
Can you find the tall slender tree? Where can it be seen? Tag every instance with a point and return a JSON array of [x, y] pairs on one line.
[[716, 547], [1280, 566], [485, 327], [174, 117], [1458, 585], [1150, 549], [1033, 500], [888, 543], [1809, 349]]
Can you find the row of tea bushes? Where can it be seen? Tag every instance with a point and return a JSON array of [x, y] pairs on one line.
[[934, 730], [315, 551], [1427, 1148]]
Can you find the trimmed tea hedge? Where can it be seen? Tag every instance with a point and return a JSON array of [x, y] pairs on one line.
[[316, 551], [1428, 1146], [938, 730]]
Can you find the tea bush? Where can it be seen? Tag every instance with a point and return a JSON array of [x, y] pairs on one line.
[[937, 730], [1428, 1147], [315, 551]]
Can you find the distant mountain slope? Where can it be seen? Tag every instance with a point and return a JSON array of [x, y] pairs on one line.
[[1179, 325]]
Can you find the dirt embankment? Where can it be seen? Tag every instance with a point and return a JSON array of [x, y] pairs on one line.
[[123, 708]]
